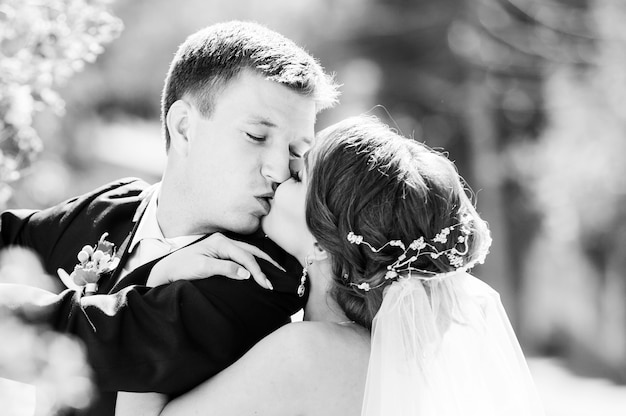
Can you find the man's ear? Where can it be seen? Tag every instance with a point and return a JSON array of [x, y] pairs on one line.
[[177, 121], [319, 253]]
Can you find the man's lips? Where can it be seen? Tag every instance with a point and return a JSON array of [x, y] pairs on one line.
[[266, 202]]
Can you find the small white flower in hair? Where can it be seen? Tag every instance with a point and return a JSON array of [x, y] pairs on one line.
[[391, 274], [442, 237], [396, 243], [418, 244], [355, 239], [456, 261]]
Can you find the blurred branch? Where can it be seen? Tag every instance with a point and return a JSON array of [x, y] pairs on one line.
[[567, 20], [42, 44], [509, 36]]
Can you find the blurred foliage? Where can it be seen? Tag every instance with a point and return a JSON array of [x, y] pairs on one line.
[[42, 44], [545, 106], [574, 173]]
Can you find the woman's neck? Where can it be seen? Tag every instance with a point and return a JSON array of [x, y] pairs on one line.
[[320, 305]]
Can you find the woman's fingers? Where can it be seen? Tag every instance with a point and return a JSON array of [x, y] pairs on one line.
[[257, 252], [215, 255], [226, 268], [229, 250]]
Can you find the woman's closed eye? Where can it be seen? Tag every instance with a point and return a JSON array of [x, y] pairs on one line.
[[295, 167], [296, 175]]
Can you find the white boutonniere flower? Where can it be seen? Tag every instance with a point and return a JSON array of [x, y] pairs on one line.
[[93, 263]]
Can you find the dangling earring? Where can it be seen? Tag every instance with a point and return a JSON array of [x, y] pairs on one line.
[[305, 272]]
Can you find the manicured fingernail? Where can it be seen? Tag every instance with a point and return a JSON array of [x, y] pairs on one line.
[[269, 284], [243, 273]]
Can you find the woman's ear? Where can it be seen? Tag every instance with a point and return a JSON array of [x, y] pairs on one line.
[[177, 121], [318, 252]]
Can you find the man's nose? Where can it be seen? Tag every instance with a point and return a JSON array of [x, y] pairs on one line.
[[276, 166]]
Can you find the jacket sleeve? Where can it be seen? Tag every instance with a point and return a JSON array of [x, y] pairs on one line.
[[56, 234], [166, 339]]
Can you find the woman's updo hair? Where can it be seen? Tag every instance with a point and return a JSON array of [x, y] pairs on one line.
[[368, 180]]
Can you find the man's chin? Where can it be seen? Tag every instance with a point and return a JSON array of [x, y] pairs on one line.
[[248, 227]]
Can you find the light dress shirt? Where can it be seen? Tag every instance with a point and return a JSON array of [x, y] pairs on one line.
[[148, 243]]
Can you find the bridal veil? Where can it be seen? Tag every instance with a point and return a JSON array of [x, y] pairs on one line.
[[443, 346]]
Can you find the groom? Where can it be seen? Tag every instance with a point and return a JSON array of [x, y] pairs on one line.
[[238, 107]]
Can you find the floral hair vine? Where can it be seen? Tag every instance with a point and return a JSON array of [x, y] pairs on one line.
[[422, 247]]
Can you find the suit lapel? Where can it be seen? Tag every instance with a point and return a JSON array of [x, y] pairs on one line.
[[109, 281], [139, 276]]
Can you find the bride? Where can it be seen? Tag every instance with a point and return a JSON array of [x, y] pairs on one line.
[[394, 323]]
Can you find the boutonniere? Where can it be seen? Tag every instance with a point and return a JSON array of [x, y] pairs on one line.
[[93, 263]]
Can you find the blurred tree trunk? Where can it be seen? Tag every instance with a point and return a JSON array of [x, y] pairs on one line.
[[502, 107], [545, 106]]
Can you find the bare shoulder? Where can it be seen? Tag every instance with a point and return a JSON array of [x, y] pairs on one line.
[[327, 361], [313, 347], [311, 368]]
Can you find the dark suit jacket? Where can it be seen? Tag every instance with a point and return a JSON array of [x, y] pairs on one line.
[[165, 339]]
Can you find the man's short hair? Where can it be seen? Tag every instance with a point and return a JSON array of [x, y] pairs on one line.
[[211, 57]]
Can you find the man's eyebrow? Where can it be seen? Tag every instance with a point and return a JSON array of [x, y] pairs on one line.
[[262, 121]]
